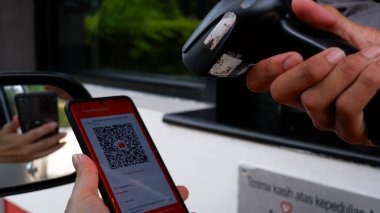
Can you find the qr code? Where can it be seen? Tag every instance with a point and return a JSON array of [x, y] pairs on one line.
[[121, 145]]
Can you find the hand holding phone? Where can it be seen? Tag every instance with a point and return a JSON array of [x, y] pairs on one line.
[[133, 177]]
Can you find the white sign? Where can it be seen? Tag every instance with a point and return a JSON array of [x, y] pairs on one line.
[[264, 191]]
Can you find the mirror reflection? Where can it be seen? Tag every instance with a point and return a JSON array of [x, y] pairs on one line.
[[36, 140]]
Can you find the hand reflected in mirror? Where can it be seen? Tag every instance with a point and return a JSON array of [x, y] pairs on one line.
[[17, 147], [36, 139]]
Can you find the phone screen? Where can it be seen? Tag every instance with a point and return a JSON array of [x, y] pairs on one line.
[[132, 171]]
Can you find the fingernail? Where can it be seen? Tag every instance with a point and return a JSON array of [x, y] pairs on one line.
[[371, 52], [290, 62], [335, 55]]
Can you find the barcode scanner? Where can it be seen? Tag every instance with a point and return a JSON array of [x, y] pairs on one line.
[[236, 34]]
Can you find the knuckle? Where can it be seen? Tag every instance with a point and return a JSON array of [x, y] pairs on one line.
[[353, 139], [261, 76], [370, 80], [277, 94], [253, 85], [310, 74], [371, 33], [272, 71], [318, 126], [342, 107], [323, 123], [309, 102], [34, 134], [348, 68], [317, 111]]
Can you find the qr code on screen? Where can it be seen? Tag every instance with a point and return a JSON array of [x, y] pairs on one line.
[[121, 145]]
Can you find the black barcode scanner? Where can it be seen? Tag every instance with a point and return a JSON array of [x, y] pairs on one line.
[[236, 34]]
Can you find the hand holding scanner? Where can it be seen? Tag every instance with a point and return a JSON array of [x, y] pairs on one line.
[[236, 34]]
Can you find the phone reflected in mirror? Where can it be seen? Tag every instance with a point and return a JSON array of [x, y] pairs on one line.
[[36, 140]]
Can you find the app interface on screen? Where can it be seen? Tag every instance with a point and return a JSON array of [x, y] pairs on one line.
[[133, 173]]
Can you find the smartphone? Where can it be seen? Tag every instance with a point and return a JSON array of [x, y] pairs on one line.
[[35, 109], [133, 177]]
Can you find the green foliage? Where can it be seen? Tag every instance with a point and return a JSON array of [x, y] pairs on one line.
[[132, 33], [120, 18], [62, 118]]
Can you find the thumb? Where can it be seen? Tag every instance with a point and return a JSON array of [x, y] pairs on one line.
[[12, 126], [86, 182], [183, 191], [85, 197], [331, 20]]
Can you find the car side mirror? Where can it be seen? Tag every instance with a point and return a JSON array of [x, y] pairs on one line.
[[56, 168]]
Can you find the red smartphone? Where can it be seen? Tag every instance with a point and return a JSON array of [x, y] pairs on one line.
[[133, 177]]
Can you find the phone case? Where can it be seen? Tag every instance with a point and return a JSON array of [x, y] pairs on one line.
[[35, 109], [102, 188]]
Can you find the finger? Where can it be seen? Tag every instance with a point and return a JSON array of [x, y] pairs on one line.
[[26, 152], [319, 100], [47, 151], [86, 182], [329, 19], [49, 141], [351, 103], [287, 87], [38, 132], [85, 197], [44, 144], [19, 156], [263, 73], [183, 191], [314, 14], [12, 126]]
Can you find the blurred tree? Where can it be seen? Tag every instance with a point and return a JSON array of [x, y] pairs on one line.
[[132, 33]]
